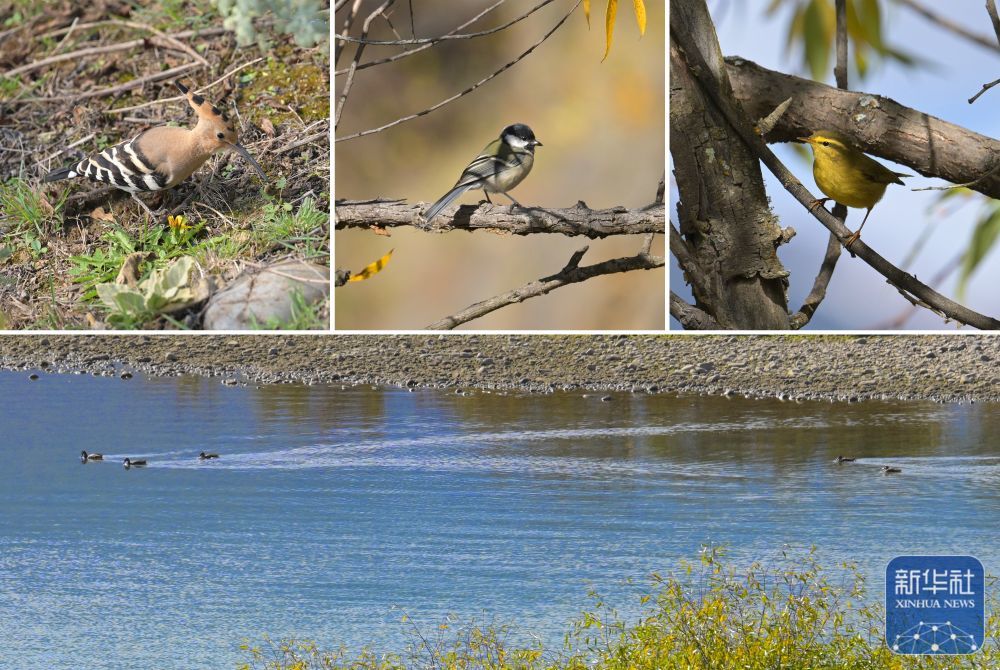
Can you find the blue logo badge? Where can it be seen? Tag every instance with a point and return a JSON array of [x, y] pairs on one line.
[[935, 604]]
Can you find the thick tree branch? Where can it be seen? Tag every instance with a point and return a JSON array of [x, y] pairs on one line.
[[723, 212], [576, 220], [570, 274], [690, 316], [907, 284], [881, 126]]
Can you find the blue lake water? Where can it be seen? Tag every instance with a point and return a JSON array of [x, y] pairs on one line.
[[332, 511]]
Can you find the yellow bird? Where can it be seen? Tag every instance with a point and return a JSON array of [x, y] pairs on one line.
[[846, 175]]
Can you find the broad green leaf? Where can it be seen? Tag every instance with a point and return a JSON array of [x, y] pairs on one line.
[[796, 28], [861, 59], [177, 274], [983, 239], [129, 302], [609, 21], [871, 18], [816, 43]]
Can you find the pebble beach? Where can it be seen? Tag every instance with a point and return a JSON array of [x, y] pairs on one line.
[[847, 368]]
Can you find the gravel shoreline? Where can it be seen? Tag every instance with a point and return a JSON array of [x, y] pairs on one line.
[[944, 368]]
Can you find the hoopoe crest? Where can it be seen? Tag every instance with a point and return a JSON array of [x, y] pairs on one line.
[[161, 157]]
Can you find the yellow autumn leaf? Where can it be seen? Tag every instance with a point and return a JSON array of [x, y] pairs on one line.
[[372, 268], [609, 21], [640, 16], [586, 12]]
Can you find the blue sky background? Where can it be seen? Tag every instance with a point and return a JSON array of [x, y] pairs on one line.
[[859, 297]]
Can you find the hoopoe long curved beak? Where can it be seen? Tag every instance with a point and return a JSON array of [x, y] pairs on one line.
[[246, 154]]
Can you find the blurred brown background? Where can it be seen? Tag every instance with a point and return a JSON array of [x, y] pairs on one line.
[[602, 126]]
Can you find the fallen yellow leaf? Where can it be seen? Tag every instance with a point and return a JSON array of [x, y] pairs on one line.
[[586, 11], [372, 268]]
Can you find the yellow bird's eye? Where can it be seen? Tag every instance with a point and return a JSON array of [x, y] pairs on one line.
[[825, 144]]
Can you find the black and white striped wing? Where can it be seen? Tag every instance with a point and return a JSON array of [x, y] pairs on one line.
[[123, 166]]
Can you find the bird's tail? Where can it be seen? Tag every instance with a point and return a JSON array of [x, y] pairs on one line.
[[61, 173], [445, 200]]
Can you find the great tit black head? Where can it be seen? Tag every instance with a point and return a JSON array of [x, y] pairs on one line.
[[519, 136]]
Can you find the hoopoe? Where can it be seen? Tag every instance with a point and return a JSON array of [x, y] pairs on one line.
[[161, 157]]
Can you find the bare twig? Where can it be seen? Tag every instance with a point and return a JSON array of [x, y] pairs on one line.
[[690, 316], [991, 9], [348, 22], [68, 147], [901, 280], [380, 11], [949, 25], [577, 220], [309, 139], [80, 53], [467, 90], [571, 274], [693, 272], [135, 83], [832, 255], [985, 88], [822, 281], [428, 45], [447, 37], [177, 98]]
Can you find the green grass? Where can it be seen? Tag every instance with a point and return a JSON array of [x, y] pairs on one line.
[[791, 613], [304, 316], [298, 229], [27, 216], [161, 243]]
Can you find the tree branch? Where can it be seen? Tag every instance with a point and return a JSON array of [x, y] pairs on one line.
[[881, 126], [446, 37], [468, 90], [832, 255], [410, 52], [723, 211], [690, 316], [991, 9], [949, 25], [576, 220], [905, 283], [570, 274]]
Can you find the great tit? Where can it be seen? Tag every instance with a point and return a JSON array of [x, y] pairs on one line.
[[498, 168]]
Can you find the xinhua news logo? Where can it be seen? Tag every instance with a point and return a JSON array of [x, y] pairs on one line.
[[935, 605]]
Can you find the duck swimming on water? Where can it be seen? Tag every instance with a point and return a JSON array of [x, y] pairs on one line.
[[845, 459], [886, 470], [84, 456], [203, 456], [129, 463]]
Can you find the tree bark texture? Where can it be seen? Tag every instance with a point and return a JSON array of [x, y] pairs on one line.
[[879, 125], [576, 220], [723, 211]]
